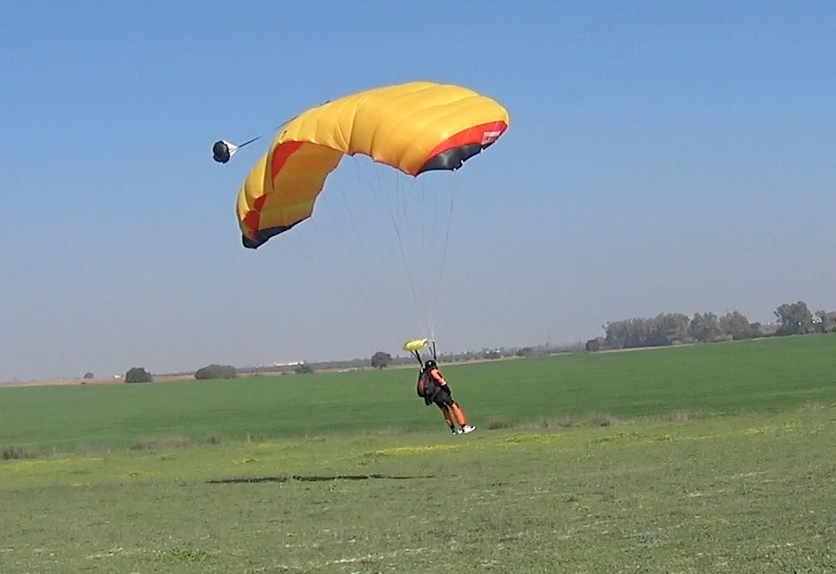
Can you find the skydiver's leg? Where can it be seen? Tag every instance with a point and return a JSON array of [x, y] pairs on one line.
[[460, 418], [457, 410], [445, 397], [447, 418]]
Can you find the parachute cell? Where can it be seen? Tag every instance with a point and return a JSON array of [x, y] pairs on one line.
[[414, 127]]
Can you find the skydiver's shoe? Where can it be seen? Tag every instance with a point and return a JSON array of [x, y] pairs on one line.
[[468, 428], [456, 431]]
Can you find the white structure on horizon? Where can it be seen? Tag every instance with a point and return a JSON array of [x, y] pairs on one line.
[[289, 364]]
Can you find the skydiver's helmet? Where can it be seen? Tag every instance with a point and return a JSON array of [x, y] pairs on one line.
[[430, 364]]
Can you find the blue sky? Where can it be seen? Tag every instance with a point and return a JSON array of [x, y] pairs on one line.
[[662, 156]]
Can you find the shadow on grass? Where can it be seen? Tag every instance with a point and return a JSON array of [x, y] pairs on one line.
[[311, 478]]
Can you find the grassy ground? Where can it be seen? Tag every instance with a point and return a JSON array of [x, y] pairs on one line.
[[751, 491], [763, 375]]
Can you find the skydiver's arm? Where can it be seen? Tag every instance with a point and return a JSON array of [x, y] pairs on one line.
[[436, 374]]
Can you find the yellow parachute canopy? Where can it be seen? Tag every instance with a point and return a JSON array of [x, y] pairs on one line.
[[413, 127], [416, 344]]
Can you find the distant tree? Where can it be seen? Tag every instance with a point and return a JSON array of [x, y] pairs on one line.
[[826, 322], [795, 319], [214, 372], [381, 360], [89, 375], [138, 375], [668, 329], [664, 329], [593, 345], [737, 326], [638, 332], [303, 369], [615, 334], [704, 328]]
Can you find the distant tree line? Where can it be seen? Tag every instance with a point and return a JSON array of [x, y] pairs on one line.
[[678, 328], [663, 330]]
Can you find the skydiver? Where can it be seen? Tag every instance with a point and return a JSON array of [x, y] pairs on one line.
[[434, 389]]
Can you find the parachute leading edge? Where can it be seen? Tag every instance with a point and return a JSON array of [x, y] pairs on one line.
[[414, 127]]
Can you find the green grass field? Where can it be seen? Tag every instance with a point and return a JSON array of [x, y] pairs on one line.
[[719, 458]]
